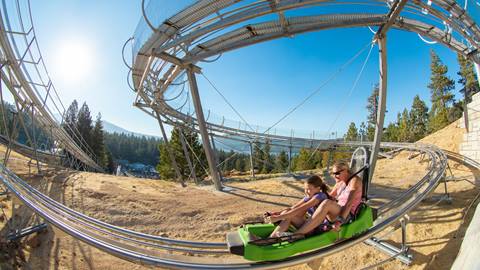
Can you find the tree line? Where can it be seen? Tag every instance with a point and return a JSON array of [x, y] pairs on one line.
[[108, 147], [133, 148]]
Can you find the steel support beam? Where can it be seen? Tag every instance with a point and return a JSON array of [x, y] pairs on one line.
[[169, 150], [252, 168], [392, 16], [216, 158], [289, 159], [202, 127], [382, 97]]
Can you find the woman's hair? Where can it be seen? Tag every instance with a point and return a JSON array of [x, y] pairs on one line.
[[342, 165], [317, 181]]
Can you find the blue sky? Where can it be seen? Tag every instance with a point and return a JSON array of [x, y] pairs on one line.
[[263, 82]]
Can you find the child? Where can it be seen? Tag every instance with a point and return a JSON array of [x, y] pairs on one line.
[[315, 192]]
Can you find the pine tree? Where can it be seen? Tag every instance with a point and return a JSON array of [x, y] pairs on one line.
[[352, 133], [257, 156], [70, 118], [240, 164], [267, 160], [404, 127], [85, 127], [391, 133], [303, 160], [98, 145], [418, 118], [440, 89], [372, 105], [195, 152], [281, 162], [468, 79], [164, 166], [110, 164], [318, 159]]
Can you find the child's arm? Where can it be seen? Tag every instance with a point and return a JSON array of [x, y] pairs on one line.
[[300, 209], [333, 193], [299, 203]]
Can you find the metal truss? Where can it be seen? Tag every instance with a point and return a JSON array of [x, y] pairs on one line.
[[168, 49]]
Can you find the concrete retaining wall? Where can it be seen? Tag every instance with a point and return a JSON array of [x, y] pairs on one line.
[[471, 140]]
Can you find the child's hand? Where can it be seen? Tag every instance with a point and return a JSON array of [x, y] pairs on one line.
[[267, 219], [273, 219]]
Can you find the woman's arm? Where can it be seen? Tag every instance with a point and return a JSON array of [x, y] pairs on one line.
[[356, 187]]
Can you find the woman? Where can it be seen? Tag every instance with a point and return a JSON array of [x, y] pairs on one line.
[[348, 195]]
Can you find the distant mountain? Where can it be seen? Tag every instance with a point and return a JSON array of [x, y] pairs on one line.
[[112, 128]]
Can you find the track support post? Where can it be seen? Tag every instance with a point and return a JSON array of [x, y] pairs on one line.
[[252, 168], [382, 98], [401, 253], [202, 126]]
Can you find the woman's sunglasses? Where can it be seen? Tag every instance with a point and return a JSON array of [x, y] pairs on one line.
[[337, 173]]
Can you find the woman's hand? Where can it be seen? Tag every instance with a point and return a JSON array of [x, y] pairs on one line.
[[338, 223]]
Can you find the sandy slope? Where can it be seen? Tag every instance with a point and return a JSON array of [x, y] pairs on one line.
[[164, 208]]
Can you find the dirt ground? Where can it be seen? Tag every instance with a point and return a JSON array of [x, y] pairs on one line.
[[435, 230]]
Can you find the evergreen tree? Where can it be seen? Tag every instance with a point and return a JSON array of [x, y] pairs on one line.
[[352, 133], [85, 127], [257, 156], [318, 159], [164, 166], [198, 158], [110, 164], [468, 79], [267, 160], [372, 105], [70, 119], [98, 144], [240, 164], [391, 133], [418, 118], [440, 89], [404, 127], [303, 160], [281, 162]]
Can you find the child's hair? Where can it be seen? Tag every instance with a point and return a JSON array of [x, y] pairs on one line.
[[317, 181]]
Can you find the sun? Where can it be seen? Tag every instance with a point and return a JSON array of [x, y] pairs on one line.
[[74, 60]]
